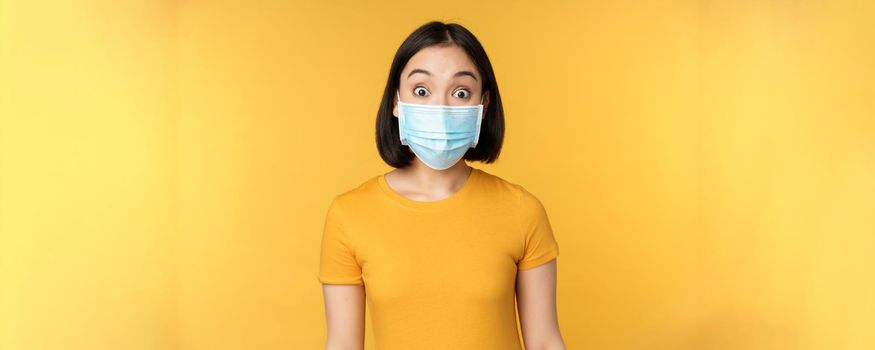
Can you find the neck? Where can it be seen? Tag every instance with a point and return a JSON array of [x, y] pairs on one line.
[[431, 180]]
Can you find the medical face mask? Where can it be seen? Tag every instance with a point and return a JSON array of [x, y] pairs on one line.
[[439, 135]]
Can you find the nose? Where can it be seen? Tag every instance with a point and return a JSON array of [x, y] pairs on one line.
[[439, 99]]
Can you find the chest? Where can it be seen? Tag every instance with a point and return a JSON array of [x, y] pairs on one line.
[[466, 257]]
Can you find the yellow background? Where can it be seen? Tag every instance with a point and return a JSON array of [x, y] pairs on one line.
[[165, 166]]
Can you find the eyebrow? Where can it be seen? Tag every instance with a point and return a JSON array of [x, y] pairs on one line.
[[458, 74]]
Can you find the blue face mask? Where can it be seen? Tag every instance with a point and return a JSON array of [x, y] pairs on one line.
[[439, 135]]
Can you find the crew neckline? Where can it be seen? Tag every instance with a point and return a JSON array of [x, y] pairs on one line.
[[447, 202]]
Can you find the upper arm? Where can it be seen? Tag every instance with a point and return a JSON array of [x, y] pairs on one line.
[[539, 244], [344, 316], [342, 284], [536, 300], [337, 262], [536, 277]]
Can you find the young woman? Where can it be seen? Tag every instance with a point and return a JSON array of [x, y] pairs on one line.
[[437, 249]]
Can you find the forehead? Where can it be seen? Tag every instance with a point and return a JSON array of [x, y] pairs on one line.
[[441, 60]]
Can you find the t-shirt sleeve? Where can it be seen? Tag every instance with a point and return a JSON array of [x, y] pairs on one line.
[[540, 245], [338, 264]]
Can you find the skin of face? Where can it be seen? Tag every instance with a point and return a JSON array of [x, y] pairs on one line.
[[441, 75]]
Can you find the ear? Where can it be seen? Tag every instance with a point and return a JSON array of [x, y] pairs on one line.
[[485, 100], [395, 108]]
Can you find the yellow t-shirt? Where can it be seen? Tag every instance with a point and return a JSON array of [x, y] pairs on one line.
[[437, 275]]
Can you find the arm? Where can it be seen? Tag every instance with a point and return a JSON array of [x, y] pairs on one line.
[[536, 300], [345, 316]]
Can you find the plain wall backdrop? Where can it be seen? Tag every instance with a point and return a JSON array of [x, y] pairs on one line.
[[166, 166]]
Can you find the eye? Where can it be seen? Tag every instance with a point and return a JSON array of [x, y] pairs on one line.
[[461, 93], [420, 91]]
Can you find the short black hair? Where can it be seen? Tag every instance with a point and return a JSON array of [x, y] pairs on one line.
[[492, 127]]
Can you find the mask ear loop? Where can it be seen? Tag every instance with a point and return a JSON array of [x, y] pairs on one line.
[[479, 122], [400, 120], [483, 112]]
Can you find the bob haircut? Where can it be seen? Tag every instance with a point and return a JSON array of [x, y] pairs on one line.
[[492, 126]]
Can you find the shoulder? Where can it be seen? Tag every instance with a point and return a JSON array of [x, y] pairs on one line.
[[360, 193], [515, 192], [524, 208]]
